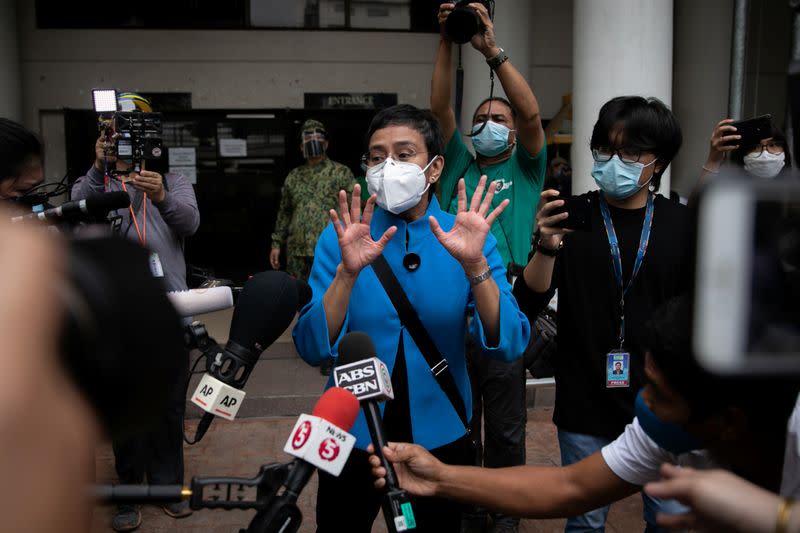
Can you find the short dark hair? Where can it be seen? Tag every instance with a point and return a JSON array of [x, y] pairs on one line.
[[737, 156], [496, 99], [417, 119], [18, 145], [647, 124], [668, 339]]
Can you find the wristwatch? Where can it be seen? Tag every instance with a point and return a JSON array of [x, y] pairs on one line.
[[549, 252], [495, 61]]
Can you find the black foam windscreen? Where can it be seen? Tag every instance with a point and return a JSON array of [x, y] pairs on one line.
[[122, 340], [355, 346], [103, 203], [265, 308]]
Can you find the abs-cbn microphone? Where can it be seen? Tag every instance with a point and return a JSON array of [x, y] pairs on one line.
[[200, 301], [319, 441], [265, 308], [361, 372], [86, 210]]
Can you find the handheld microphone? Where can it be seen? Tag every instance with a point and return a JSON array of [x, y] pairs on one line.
[[85, 210], [200, 301], [319, 441], [360, 371], [266, 307]]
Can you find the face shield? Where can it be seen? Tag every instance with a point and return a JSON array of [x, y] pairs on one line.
[[313, 143]]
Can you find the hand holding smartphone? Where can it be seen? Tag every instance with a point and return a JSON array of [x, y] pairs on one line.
[[752, 131], [579, 211]]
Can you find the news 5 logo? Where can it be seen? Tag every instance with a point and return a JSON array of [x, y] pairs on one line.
[[320, 443]]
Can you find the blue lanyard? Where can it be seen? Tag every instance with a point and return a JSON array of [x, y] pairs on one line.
[[616, 258]]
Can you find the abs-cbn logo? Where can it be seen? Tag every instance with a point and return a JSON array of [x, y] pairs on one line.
[[358, 378], [301, 435]]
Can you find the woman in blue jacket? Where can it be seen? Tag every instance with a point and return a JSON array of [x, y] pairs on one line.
[[449, 268]]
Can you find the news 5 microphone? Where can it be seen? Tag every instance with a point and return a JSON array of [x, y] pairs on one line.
[[362, 373], [266, 307], [319, 441]]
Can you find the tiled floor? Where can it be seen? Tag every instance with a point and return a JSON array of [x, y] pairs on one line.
[[239, 448]]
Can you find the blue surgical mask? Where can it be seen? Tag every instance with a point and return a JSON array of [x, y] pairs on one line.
[[618, 179], [667, 435], [492, 140]]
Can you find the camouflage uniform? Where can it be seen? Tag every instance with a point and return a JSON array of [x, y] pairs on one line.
[[308, 194]]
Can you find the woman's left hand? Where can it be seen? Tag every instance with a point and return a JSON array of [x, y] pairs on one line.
[[465, 241]]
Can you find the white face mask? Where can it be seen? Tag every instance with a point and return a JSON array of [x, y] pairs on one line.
[[399, 185], [765, 164]]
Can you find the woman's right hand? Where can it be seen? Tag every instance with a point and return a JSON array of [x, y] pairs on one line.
[[551, 235], [355, 242], [723, 139]]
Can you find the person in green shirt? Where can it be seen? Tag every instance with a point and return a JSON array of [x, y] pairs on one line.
[[510, 148]]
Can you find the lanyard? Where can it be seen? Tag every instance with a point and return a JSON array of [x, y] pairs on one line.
[[616, 257], [143, 233]]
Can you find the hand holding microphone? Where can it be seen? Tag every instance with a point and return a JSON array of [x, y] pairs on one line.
[[362, 373]]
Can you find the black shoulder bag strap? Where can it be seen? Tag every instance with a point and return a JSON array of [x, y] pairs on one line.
[[410, 319]]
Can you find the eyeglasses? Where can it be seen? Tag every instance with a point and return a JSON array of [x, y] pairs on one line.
[[626, 154], [772, 147], [376, 157]]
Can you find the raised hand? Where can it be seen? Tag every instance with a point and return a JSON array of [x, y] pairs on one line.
[[723, 139], [355, 242], [466, 239], [484, 40]]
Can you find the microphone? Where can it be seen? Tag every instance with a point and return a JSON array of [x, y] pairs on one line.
[[87, 209], [361, 372], [200, 301], [319, 441], [265, 308]]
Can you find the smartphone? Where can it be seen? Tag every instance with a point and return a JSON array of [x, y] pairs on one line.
[[752, 130], [580, 213], [747, 280]]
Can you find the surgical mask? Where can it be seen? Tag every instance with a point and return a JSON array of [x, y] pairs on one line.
[[398, 185], [667, 435], [618, 179], [492, 140], [765, 164]]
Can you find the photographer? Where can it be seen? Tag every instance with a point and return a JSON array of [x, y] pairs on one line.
[[20, 160], [635, 256], [510, 149], [162, 213]]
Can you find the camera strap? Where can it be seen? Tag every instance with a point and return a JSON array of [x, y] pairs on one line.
[[410, 319], [616, 257], [142, 233]]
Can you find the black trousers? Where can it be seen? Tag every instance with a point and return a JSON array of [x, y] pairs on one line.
[[498, 393], [158, 454], [350, 502]]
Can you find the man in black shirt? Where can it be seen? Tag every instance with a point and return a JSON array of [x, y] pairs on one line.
[[635, 256]]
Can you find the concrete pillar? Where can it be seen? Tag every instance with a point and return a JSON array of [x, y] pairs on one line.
[[512, 25], [620, 47], [10, 84], [701, 81]]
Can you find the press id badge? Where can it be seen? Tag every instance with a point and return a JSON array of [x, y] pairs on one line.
[[155, 266], [618, 369]]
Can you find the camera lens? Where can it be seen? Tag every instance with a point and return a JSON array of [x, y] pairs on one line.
[[462, 23]]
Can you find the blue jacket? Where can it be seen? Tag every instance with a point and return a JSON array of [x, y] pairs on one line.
[[440, 293]]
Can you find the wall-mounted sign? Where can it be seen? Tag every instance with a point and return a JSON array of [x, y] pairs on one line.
[[349, 100]]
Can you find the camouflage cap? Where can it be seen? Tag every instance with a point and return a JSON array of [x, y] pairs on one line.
[[313, 125]]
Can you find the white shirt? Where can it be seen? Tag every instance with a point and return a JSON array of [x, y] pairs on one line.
[[636, 458]]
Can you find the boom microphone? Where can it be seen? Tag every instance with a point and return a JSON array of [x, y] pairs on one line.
[[266, 307], [85, 210], [200, 301], [360, 371]]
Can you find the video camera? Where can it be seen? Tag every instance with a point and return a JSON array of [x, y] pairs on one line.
[[463, 22], [134, 134]]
